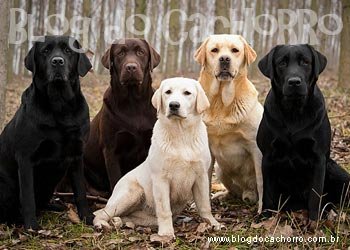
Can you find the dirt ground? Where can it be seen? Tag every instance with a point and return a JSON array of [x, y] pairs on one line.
[[62, 230]]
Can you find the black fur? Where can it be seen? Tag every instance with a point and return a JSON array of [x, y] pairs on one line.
[[43, 141], [295, 134]]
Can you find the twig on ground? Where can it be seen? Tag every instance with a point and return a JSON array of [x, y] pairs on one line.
[[89, 197]]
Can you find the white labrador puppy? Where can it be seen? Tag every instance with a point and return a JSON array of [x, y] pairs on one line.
[[176, 169]]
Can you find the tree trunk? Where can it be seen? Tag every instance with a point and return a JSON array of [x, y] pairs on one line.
[[222, 8], [344, 62], [4, 25]]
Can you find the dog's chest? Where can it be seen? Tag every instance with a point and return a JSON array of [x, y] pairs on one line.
[[294, 152], [182, 176], [229, 149], [56, 146]]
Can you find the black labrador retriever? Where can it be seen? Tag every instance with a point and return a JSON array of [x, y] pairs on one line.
[[44, 140], [295, 134]]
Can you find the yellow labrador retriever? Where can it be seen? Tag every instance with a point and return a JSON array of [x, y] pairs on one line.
[[176, 168], [234, 114]]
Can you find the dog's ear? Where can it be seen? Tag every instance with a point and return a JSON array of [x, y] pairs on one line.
[[154, 57], [265, 65], [200, 54], [319, 61], [106, 58], [29, 61], [157, 99], [84, 64], [249, 52], [202, 99]]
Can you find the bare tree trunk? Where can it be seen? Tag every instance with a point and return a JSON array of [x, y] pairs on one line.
[[222, 8], [4, 24], [140, 8], [344, 62]]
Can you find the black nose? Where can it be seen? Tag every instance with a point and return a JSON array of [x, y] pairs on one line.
[[294, 81], [225, 59], [131, 67], [174, 106], [57, 60]]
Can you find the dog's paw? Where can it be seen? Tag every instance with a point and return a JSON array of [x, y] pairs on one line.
[[218, 226], [32, 225], [222, 195], [167, 233], [88, 218], [117, 222], [249, 196], [101, 224]]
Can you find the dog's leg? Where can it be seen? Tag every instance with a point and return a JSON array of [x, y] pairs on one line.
[[210, 171], [257, 159], [27, 195], [76, 175], [200, 195], [126, 197], [161, 195], [232, 189], [112, 166], [316, 192], [269, 190]]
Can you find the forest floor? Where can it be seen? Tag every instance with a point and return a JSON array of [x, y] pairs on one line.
[[62, 230]]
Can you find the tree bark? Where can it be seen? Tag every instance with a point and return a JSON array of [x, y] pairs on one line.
[[4, 25], [344, 62]]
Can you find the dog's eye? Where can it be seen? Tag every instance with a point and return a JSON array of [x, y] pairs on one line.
[[215, 50], [282, 64], [168, 92], [187, 93], [121, 53], [67, 50], [234, 50], [45, 51], [304, 62], [140, 52]]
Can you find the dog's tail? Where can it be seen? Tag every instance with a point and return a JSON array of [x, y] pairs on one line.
[[337, 183]]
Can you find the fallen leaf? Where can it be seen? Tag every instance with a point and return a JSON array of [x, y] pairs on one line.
[[130, 225], [45, 232], [267, 224], [134, 238], [286, 231], [160, 239], [73, 216], [202, 227]]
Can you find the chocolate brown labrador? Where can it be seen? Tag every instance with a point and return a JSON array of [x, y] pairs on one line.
[[120, 134]]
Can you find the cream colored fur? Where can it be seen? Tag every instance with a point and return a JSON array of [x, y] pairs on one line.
[[175, 171], [233, 117]]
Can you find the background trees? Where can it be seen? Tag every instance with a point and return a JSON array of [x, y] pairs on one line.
[[178, 58], [344, 62], [4, 24]]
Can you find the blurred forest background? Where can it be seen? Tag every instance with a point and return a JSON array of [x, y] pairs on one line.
[[176, 59]]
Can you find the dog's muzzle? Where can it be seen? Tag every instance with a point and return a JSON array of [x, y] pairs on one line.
[[224, 64]]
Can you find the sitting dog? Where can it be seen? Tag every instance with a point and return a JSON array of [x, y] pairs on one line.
[[175, 170], [295, 134], [44, 140], [234, 114], [120, 134]]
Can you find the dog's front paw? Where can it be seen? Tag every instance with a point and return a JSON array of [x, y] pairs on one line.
[[167, 233], [31, 225], [217, 226], [87, 217], [101, 224]]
